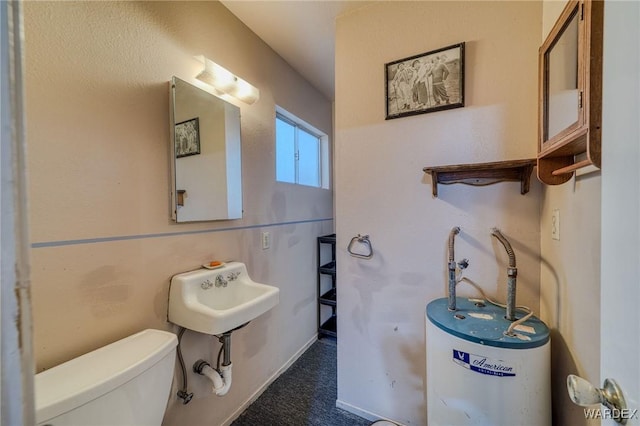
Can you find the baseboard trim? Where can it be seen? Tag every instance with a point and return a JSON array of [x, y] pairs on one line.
[[368, 415], [270, 380]]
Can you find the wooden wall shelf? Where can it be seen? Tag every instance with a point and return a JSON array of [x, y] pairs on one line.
[[482, 174]]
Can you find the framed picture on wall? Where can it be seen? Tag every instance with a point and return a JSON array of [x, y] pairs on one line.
[[187, 138], [428, 82]]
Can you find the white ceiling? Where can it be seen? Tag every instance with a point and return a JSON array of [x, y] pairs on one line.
[[302, 32]]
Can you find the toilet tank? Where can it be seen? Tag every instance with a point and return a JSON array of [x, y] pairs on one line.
[[124, 383]]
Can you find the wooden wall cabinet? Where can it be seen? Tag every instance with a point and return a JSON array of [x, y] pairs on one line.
[[570, 93]]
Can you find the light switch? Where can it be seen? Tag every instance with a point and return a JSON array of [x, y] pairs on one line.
[[555, 225], [266, 240]]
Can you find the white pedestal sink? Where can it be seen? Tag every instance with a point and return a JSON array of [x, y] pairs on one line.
[[214, 301]]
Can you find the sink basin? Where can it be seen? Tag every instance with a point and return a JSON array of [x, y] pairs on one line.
[[214, 301]]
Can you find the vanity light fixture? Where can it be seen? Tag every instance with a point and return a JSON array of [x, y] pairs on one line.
[[225, 81]]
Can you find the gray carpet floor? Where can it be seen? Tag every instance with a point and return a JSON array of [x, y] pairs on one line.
[[305, 394]]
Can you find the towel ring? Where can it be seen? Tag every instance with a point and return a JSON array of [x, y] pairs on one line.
[[363, 239]]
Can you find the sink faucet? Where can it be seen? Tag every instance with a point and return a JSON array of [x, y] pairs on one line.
[[220, 281], [512, 273]]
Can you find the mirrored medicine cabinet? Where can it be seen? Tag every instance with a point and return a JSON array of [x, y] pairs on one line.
[[205, 152], [570, 93]]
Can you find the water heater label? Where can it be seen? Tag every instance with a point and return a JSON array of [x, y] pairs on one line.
[[483, 365]]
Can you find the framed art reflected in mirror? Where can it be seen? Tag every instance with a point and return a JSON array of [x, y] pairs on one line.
[[187, 136]]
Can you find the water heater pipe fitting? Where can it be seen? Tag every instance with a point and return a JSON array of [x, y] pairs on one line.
[[512, 274], [452, 269]]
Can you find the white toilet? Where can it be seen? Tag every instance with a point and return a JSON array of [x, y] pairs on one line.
[[124, 383]]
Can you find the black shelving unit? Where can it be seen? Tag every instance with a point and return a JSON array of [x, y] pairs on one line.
[[327, 287]]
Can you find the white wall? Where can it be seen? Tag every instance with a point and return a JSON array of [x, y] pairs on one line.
[[103, 246], [382, 191]]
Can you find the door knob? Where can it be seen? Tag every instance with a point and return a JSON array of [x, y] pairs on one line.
[[584, 394]]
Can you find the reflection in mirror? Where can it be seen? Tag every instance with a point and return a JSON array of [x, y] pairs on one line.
[[206, 174], [562, 80]]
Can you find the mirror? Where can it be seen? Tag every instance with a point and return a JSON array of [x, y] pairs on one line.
[[206, 172], [562, 80]]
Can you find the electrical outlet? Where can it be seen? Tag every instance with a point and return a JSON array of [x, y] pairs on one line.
[[266, 240], [555, 225]]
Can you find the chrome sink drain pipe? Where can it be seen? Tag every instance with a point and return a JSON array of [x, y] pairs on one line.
[[220, 376]]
